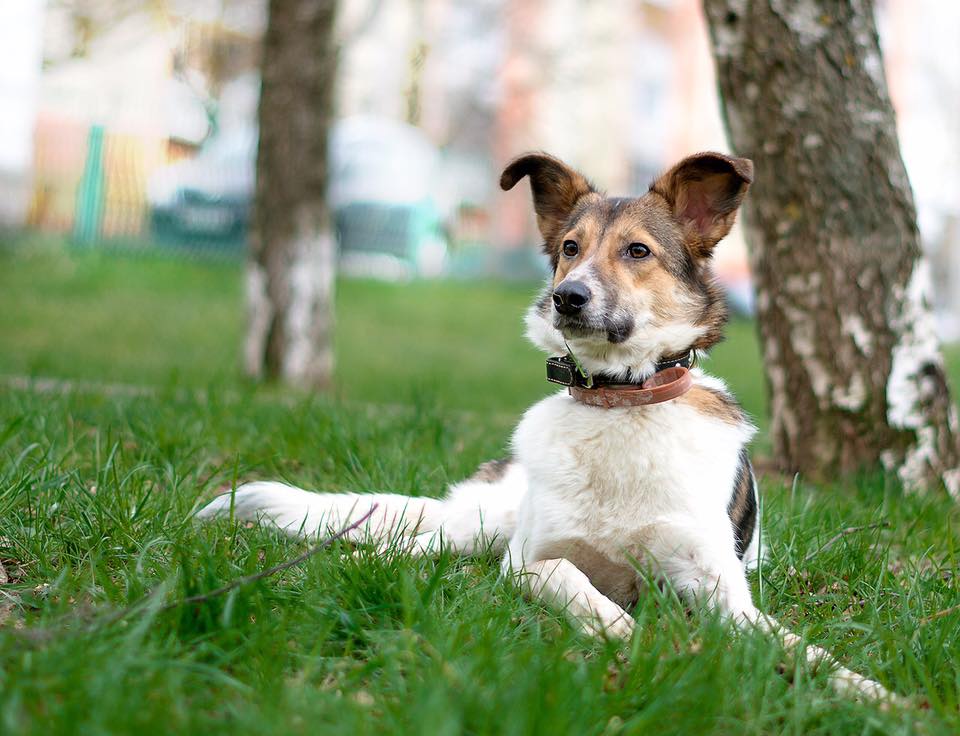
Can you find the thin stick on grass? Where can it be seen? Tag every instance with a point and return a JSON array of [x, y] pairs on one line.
[[254, 577], [843, 533], [41, 635], [201, 597], [939, 614]]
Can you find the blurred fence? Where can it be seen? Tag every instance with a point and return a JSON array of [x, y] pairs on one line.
[[101, 188]]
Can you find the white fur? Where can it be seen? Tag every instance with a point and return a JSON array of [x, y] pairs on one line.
[[473, 514], [623, 482], [590, 492]]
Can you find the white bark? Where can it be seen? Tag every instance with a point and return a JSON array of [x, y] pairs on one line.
[[308, 354], [910, 388], [259, 316]]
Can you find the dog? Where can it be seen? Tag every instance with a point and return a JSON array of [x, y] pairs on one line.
[[641, 463]]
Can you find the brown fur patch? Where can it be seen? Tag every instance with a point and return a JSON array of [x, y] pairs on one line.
[[717, 404], [492, 470], [616, 578], [663, 287]]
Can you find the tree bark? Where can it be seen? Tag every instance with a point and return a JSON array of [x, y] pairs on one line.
[[290, 274], [854, 371]]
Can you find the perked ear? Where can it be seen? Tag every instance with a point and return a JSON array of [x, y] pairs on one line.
[[556, 189], [704, 192]]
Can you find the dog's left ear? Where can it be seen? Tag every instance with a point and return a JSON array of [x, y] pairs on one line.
[[704, 192], [556, 190]]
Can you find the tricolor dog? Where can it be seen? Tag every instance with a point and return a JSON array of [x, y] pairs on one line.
[[641, 458]]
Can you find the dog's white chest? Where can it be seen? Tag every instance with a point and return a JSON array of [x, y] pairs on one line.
[[611, 481]]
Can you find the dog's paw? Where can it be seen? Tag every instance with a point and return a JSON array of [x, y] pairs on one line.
[[862, 687], [613, 623], [621, 628]]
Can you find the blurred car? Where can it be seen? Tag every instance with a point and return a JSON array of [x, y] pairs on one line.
[[382, 177], [206, 199], [383, 180]]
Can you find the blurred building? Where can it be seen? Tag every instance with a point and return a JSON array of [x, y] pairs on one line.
[[128, 87], [619, 88], [21, 36], [923, 70]]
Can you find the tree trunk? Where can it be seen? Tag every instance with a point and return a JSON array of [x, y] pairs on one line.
[[853, 367], [290, 274]]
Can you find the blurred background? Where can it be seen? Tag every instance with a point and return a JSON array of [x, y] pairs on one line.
[[127, 170]]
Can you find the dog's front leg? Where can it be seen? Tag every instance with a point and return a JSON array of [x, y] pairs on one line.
[[716, 576], [559, 582]]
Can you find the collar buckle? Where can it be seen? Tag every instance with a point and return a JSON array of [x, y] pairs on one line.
[[563, 370]]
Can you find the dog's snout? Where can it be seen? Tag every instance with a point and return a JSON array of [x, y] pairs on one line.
[[570, 297]]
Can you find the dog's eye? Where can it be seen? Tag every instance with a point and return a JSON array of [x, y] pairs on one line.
[[570, 248], [638, 250]]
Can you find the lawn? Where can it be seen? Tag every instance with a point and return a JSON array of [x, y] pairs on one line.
[[164, 321], [97, 488]]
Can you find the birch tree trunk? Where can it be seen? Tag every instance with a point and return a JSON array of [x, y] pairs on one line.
[[853, 366], [290, 272]]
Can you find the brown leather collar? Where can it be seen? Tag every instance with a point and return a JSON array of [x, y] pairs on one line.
[[661, 386], [565, 370]]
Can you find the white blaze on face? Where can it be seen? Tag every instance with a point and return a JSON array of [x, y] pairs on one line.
[[586, 273]]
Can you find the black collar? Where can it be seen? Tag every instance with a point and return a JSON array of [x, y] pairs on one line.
[[564, 370]]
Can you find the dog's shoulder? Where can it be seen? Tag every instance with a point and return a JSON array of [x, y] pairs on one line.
[[710, 397]]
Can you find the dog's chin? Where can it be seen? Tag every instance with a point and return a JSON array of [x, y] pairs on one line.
[[605, 331]]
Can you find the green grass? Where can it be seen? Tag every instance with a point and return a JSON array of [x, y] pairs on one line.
[[161, 321], [97, 489]]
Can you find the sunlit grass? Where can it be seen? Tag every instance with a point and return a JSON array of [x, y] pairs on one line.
[[159, 320], [96, 495], [97, 489]]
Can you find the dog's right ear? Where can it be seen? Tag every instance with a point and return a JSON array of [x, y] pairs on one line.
[[556, 189], [704, 191]]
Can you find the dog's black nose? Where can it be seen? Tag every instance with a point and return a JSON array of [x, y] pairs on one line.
[[570, 297]]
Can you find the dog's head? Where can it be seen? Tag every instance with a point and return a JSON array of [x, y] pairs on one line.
[[632, 278]]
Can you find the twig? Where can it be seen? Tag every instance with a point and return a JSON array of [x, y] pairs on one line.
[[276, 568], [939, 614], [34, 634], [252, 578], [842, 533]]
